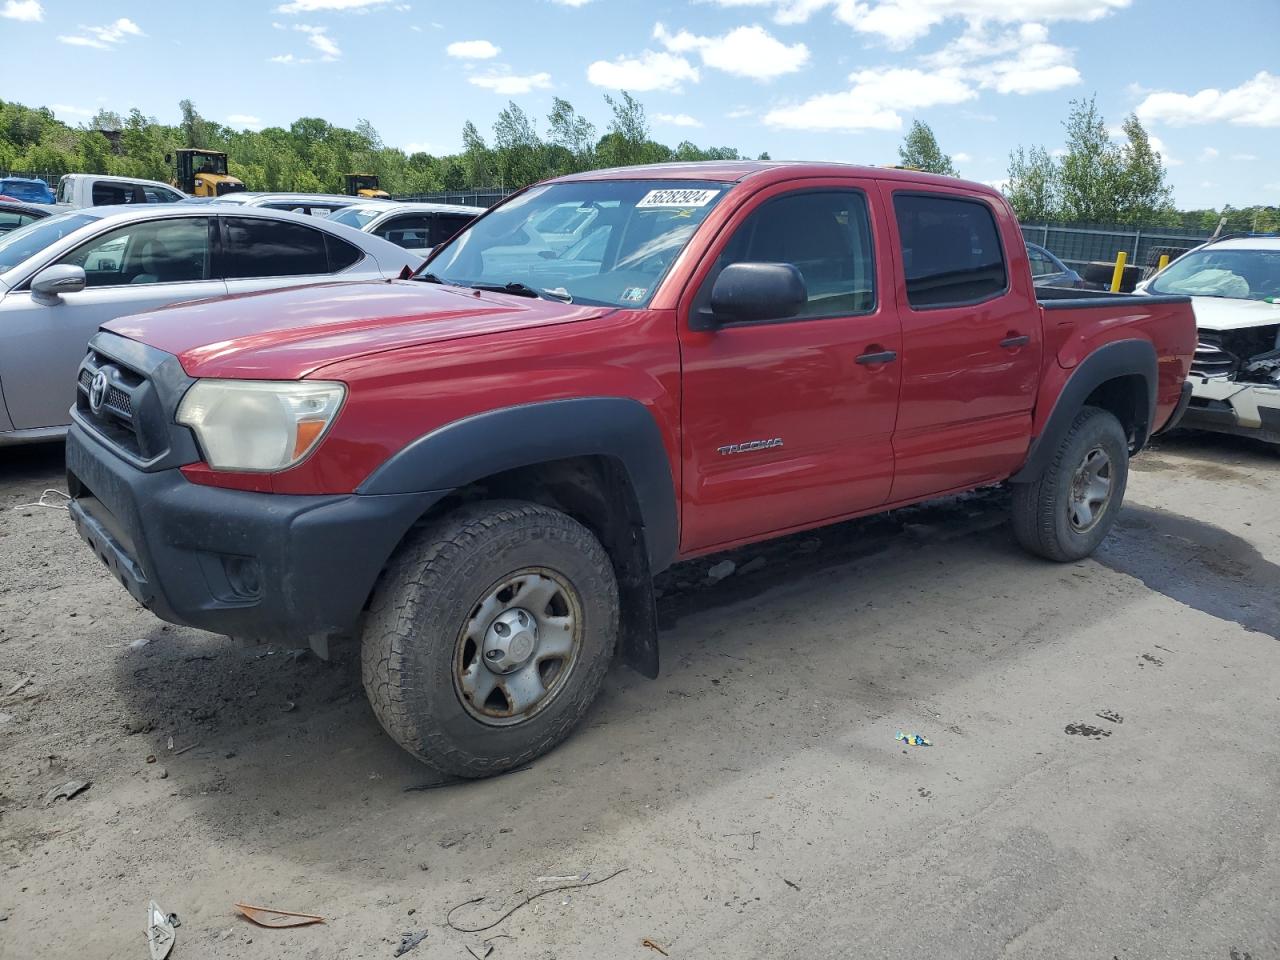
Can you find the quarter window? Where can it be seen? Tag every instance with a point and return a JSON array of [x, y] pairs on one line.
[[950, 250], [826, 235], [412, 232], [159, 251], [272, 248]]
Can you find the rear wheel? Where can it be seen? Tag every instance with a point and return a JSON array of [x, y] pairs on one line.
[[489, 636], [1068, 511]]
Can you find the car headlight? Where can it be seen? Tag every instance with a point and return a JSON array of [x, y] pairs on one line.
[[259, 425]]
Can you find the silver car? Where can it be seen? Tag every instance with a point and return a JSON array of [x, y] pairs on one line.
[[415, 226], [63, 276], [316, 204]]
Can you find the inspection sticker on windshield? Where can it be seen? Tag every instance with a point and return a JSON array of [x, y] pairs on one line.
[[677, 198], [634, 294]]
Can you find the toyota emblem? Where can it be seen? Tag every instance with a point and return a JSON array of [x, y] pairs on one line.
[[98, 391]]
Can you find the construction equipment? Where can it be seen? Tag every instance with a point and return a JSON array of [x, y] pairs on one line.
[[365, 185], [203, 173]]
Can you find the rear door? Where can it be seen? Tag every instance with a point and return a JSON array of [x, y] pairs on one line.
[[789, 422], [971, 341], [131, 269]]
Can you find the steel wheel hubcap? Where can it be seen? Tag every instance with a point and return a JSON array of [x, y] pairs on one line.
[[1090, 491], [518, 646]]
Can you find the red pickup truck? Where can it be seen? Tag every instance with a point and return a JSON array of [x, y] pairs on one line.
[[480, 468]]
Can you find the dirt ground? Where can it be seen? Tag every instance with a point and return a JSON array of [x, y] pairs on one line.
[[1103, 779]]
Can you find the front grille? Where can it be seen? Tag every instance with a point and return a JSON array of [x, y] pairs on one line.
[[1223, 353], [1212, 361], [114, 420]]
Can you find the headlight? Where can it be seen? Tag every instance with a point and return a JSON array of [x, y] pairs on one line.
[[259, 425]]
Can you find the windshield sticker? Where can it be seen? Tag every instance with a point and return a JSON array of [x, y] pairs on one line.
[[676, 198], [634, 294]]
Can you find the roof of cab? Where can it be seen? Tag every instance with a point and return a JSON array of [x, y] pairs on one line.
[[770, 171]]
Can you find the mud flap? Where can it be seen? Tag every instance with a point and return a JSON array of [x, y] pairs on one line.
[[638, 629]]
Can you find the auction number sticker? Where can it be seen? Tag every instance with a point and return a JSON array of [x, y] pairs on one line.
[[677, 198]]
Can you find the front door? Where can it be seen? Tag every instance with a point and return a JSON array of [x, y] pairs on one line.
[[132, 269], [789, 422]]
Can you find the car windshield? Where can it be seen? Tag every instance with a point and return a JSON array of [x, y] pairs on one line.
[[355, 216], [27, 241], [1232, 274], [23, 191], [637, 229]]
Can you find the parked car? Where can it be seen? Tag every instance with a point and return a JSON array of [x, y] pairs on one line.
[[14, 215], [1048, 271], [61, 277], [414, 226], [26, 189], [481, 469], [1234, 285], [315, 204], [82, 190]]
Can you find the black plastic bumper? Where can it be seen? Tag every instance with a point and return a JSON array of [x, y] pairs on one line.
[[254, 565], [1180, 410]]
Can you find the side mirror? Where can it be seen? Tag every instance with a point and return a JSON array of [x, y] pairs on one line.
[[51, 282], [757, 291]]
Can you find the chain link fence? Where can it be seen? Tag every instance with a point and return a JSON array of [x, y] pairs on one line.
[[481, 197], [1080, 244]]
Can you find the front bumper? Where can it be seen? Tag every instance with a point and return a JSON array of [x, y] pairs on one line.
[[1227, 406], [252, 565]]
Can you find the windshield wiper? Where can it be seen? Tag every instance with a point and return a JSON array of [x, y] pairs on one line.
[[524, 290], [427, 278]]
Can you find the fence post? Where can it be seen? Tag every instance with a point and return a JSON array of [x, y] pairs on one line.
[[1045, 244], [1118, 274], [1137, 239], [1164, 262]]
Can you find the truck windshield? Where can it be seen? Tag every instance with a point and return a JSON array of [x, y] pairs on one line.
[[637, 228], [1233, 274], [17, 246]]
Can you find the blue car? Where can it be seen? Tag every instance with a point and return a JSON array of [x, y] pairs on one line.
[[26, 189]]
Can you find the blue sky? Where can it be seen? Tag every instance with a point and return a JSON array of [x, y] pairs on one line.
[[803, 79]]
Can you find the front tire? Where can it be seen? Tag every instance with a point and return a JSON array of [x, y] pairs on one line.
[[489, 636], [1069, 510]]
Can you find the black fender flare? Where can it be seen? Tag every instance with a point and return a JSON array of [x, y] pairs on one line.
[[1121, 358], [479, 446]]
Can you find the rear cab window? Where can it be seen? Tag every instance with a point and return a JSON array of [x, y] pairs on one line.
[[951, 253], [257, 247]]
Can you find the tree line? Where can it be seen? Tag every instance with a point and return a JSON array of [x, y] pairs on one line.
[[312, 155], [1095, 177]]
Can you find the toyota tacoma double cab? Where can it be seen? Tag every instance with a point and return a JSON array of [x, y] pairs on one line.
[[479, 468]]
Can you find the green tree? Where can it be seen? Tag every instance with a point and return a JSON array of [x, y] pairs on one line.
[[571, 136], [477, 159], [920, 151], [1143, 193], [1091, 171], [517, 147], [1033, 185]]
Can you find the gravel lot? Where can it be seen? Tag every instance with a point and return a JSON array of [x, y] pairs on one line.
[[1102, 781]]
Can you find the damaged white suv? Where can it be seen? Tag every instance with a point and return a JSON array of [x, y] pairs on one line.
[[1234, 284]]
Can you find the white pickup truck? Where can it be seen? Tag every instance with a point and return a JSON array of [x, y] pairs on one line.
[[1234, 285], [100, 190]]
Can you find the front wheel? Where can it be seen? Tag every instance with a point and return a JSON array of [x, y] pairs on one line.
[[1068, 511], [489, 636]]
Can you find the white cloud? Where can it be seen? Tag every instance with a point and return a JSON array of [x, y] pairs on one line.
[[28, 11], [1020, 60], [1208, 153], [104, 38], [961, 157], [285, 58], [320, 6], [1255, 103], [649, 71], [1000, 185], [571, 3], [472, 49], [1247, 157], [74, 111], [677, 119], [244, 120], [510, 84], [1058, 152], [744, 51], [412, 148], [900, 23], [873, 100], [320, 41]]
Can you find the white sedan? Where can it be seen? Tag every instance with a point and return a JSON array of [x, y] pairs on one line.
[[64, 276], [415, 226]]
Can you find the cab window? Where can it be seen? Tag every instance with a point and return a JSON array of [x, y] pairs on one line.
[[159, 251], [254, 247], [950, 250]]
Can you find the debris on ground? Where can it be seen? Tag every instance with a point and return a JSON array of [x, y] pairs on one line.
[[571, 878], [6, 717], [136, 727], [276, 919], [1086, 730], [160, 931], [71, 788], [793, 886], [751, 566], [139, 643], [19, 685], [448, 918], [913, 739], [1109, 715], [189, 746], [646, 942], [409, 940], [721, 570]]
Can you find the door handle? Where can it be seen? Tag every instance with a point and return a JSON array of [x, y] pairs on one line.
[[881, 356], [1010, 343]]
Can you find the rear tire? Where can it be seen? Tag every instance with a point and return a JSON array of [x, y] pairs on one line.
[[489, 636], [1069, 510]]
